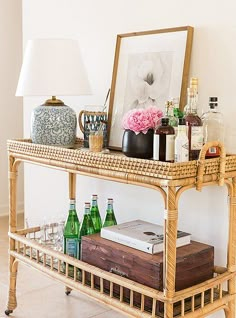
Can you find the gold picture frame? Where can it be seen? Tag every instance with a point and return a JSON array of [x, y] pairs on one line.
[[167, 53]]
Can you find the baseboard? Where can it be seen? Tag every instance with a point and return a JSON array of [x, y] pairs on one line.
[[4, 209]]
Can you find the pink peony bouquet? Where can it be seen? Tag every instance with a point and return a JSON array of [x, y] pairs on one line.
[[142, 119]]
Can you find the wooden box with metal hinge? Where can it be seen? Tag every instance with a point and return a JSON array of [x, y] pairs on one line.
[[194, 264]]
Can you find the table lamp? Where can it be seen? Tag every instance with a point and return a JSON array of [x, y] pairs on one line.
[[53, 67]]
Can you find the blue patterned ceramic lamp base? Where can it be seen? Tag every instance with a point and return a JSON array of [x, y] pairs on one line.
[[54, 126]]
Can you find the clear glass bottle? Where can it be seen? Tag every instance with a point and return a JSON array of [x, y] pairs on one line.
[[194, 125], [164, 142], [95, 215], [181, 142], [194, 85], [110, 218], [86, 227], [177, 112], [71, 232], [213, 127], [169, 113]]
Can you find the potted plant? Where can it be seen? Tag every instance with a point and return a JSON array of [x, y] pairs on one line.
[[139, 125]]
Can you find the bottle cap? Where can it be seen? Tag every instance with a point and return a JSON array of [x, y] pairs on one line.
[[165, 120], [193, 81], [213, 102], [109, 200], [94, 196], [182, 121], [213, 99], [87, 204]]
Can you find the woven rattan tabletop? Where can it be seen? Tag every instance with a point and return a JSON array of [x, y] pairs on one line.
[[113, 161]]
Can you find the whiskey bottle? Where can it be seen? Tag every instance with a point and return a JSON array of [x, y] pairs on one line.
[[110, 218], [163, 142], [181, 142], [95, 215], [213, 127], [71, 232], [194, 125]]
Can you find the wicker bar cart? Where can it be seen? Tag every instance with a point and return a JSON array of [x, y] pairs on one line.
[[171, 180]]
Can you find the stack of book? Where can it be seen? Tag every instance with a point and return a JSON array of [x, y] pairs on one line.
[[142, 235]]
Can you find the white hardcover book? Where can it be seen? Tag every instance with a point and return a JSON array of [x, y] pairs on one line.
[[141, 235]]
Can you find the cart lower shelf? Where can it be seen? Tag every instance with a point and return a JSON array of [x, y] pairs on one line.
[[197, 301]]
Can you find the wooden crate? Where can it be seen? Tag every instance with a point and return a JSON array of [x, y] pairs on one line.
[[195, 264]]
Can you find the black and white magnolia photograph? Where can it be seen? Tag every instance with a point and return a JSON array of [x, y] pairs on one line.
[[148, 70], [148, 79]]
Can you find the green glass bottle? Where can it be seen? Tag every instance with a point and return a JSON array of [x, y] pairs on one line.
[[110, 218], [71, 232], [86, 227], [95, 215]]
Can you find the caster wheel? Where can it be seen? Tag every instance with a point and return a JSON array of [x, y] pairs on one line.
[[67, 293], [8, 312]]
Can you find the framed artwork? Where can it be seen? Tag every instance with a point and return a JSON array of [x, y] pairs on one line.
[[149, 67]]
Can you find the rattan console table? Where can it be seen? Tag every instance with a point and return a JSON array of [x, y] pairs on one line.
[[171, 180]]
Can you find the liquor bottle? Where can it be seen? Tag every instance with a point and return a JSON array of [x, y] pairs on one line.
[[194, 125], [110, 218], [86, 227], [213, 127], [181, 142], [95, 215], [169, 113], [164, 142], [193, 85], [71, 232], [177, 112]]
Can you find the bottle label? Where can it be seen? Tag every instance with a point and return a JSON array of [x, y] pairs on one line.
[[169, 147], [94, 202], [72, 206], [213, 152], [196, 137], [71, 247], [156, 147], [181, 149], [170, 142]]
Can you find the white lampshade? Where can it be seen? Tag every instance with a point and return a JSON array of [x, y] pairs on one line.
[[52, 67]]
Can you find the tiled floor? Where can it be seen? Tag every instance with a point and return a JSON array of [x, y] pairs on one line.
[[41, 297]]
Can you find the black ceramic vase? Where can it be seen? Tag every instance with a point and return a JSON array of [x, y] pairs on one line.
[[138, 146]]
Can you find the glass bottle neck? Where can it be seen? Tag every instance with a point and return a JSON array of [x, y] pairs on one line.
[[86, 211], [94, 202], [109, 207], [72, 206], [181, 130], [192, 104]]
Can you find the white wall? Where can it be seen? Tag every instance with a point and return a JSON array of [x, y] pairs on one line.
[[96, 24], [11, 110]]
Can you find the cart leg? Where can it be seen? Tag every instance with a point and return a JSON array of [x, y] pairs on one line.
[[72, 190], [67, 290], [169, 310], [230, 310], [171, 220], [12, 303], [13, 263]]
